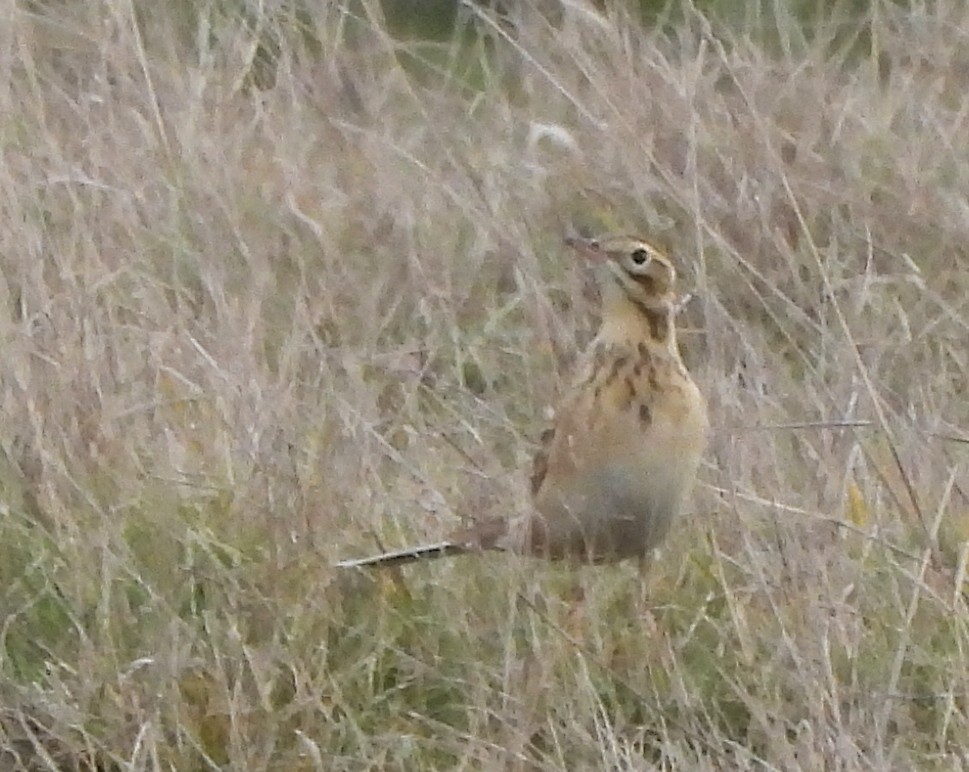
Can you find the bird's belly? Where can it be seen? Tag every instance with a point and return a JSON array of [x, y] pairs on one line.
[[617, 513], [619, 501]]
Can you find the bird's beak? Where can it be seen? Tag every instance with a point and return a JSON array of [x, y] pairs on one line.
[[588, 248]]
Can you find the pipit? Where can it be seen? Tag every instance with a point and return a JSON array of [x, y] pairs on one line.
[[622, 453]]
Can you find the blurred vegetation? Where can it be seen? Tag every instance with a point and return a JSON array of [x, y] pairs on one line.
[[283, 282], [786, 27]]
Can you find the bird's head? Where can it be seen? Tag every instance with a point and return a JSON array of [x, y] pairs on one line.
[[632, 269]]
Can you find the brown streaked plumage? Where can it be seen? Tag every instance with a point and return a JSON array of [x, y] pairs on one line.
[[614, 468]]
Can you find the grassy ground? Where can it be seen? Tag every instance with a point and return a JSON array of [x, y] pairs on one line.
[[275, 291]]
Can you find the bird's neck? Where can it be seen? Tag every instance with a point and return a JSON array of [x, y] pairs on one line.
[[627, 322]]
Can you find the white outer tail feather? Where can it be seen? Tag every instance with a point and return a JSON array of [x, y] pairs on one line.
[[404, 556]]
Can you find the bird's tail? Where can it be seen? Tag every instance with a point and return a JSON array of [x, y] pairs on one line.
[[410, 555]]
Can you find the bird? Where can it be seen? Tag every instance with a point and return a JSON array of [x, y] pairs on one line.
[[621, 454]]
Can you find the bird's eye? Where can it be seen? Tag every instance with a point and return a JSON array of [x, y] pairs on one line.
[[640, 256]]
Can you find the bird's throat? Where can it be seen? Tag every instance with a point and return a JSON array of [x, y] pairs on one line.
[[625, 320]]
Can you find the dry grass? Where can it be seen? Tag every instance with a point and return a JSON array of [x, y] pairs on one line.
[[246, 331]]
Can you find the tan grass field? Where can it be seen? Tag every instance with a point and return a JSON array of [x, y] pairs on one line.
[[264, 305]]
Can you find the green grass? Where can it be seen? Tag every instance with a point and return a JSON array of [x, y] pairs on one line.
[[274, 290]]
